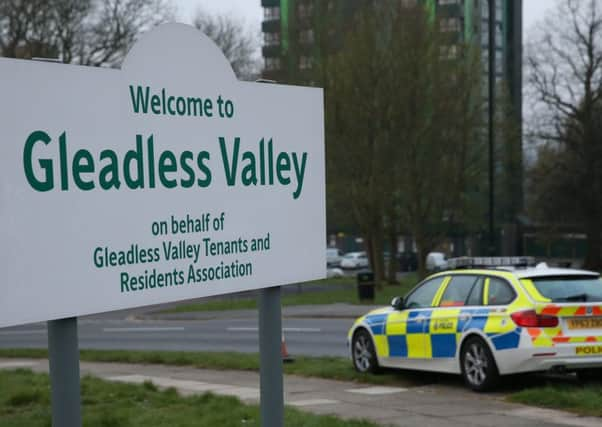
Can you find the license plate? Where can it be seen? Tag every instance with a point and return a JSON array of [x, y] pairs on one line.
[[585, 323], [589, 350]]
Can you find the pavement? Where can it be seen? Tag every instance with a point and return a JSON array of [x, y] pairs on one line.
[[432, 405]]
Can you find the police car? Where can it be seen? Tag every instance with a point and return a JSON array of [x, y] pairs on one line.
[[488, 317]]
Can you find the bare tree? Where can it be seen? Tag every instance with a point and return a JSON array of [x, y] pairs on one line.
[[436, 121], [87, 32], [403, 109], [565, 80], [115, 25], [356, 98], [238, 42], [23, 22]]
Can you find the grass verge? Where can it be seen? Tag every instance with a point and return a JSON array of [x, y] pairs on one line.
[[334, 368], [561, 394], [580, 399], [25, 401], [344, 291]]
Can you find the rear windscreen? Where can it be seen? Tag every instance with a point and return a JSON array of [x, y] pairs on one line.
[[570, 289]]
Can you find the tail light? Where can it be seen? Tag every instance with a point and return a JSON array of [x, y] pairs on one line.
[[530, 319]]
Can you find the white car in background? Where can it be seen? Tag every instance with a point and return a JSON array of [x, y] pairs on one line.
[[355, 260], [334, 273], [333, 257], [435, 261]]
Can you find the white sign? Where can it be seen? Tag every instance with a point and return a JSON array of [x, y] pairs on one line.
[[163, 181]]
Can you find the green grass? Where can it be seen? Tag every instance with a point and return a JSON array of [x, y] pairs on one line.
[[580, 399], [25, 401], [335, 368], [560, 394], [307, 296]]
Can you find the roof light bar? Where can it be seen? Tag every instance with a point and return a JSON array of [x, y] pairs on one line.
[[476, 262]]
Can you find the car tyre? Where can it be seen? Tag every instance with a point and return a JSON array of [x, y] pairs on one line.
[[478, 366], [363, 353]]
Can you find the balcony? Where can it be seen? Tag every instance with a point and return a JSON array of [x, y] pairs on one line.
[[450, 10], [270, 51], [270, 26]]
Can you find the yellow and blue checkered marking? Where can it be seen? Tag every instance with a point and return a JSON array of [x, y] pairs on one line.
[[377, 323], [435, 333], [506, 341], [398, 345], [443, 345]]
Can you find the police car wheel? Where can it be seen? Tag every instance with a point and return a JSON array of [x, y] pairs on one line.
[[364, 356], [478, 366]]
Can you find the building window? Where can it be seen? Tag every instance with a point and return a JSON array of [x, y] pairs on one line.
[[271, 13], [499, 43], [305, 62], [271, 39], [272, 64], [499, 9], [449, 25], [305, 10], [449, 52], [306, 36], [498, 35], [485, 59], [499, 62], [485, 34]]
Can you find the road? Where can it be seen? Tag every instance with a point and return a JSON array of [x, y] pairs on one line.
[[304, 336], [424, 399]]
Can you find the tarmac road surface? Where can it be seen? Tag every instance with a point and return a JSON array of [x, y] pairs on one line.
[[308, 331]]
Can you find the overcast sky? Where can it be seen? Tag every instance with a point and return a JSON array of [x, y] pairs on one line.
[[250, 10]]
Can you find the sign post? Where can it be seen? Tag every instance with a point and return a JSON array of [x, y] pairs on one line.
[[270, 358], [63, 358], [162, 181]]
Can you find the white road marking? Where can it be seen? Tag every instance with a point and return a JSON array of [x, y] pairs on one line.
[[17, 364], [374, 391], [302, 329], [24, 332], [313, 402], [187, 386], [148, 329], [255, 329]]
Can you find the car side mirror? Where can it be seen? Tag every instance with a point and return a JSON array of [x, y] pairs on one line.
[[397, 303]]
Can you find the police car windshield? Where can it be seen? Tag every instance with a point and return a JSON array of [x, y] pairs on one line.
[[570, 289]]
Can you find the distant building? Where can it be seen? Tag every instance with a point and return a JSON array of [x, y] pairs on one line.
[[290, 48], [289, 42]]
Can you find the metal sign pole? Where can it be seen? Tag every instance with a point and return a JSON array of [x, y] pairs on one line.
[[63, 358], [270, 359]]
